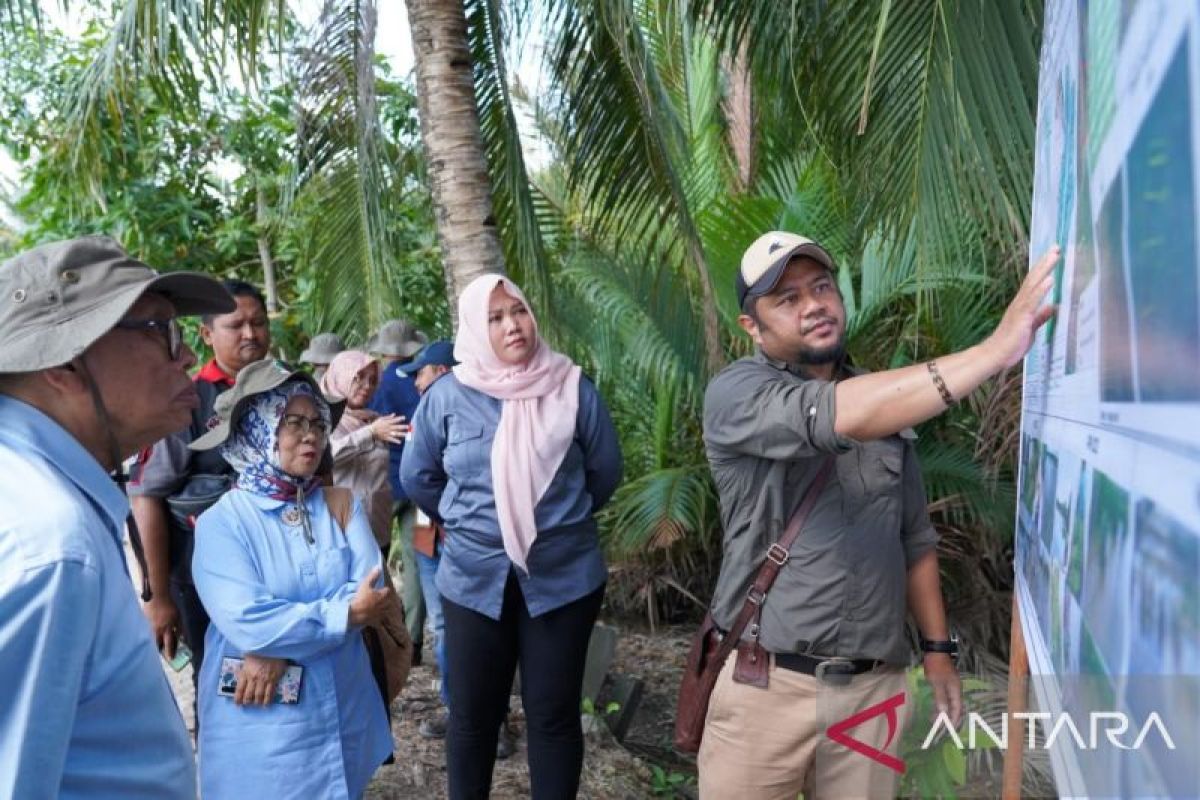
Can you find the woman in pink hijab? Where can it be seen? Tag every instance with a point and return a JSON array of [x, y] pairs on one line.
[[360, 441], [513, 453]]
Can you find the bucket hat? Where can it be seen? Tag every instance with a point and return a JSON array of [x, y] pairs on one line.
[[254, 379], [765, 260], [322, 349], [57, 299], [398, 338]]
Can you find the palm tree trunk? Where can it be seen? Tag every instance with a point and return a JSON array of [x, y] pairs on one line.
[[450, 133], [264, 251], [739, 111]]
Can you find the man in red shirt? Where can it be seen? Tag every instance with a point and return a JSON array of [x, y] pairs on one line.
[[171, 485]]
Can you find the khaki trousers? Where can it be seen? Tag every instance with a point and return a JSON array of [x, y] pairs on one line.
[[763, 744]]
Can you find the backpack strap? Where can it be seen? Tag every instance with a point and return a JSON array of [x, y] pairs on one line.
[[339, 500]]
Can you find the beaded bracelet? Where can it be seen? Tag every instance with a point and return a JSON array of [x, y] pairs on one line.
[[947, 398]]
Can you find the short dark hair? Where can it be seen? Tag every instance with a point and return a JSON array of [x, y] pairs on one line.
[[238, 289], [748, 307]]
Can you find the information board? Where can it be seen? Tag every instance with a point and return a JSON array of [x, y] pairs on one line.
[[1108, 531]]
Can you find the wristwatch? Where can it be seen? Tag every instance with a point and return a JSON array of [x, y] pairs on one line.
[[947, 646]]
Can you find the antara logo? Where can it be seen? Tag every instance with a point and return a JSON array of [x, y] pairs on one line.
[[837, 732], [1114, 725]]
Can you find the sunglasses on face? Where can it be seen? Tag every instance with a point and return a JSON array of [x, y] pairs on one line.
[[167, 328]]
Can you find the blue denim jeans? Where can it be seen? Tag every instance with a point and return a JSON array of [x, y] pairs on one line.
[[427, 570]]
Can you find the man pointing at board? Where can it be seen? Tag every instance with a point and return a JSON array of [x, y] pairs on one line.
[[813, 699]]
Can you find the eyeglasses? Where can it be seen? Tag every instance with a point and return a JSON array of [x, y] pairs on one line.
[[169, 329], [300, 425]]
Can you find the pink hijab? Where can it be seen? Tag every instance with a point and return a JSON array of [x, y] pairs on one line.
[[537, 419], [336, 382]]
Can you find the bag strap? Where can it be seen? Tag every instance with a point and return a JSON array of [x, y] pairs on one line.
[[139, 553], [339, 501], [777, 555]]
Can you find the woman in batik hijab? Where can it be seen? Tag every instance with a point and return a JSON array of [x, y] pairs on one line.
[[513, 452], [285, 587]]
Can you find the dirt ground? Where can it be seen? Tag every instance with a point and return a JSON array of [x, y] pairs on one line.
[[610, 771]]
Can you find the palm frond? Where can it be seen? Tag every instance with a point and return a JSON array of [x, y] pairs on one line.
[[623, 137], [347, 169], [928, 109], [960, 491], [513, 198], [659, 337], [658, 509]]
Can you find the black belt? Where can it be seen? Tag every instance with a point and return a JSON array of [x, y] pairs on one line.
[[799, 662]]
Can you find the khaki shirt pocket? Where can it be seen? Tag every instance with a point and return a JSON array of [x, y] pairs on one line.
[[874, 483]]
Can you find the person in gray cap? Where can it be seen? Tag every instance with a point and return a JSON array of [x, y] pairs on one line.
[[320, 352], [799, 439], [92, 369], [397, 342]]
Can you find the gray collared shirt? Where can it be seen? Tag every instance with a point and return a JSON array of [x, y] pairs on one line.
[[767, 429]]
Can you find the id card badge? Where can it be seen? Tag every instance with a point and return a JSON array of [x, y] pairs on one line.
[[286, 691], [422, 518]]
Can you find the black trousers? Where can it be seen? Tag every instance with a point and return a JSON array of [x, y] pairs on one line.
[[193, 620], [482, 655]]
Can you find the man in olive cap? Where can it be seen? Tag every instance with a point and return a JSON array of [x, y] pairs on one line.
[[397, 342], [92, 368], [320, 352]]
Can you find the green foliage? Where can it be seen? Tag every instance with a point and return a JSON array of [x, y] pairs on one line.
[[669, 783], [300, 168], [644, 196], [588, 706], [898, 136], [942, 769], [153, 187]]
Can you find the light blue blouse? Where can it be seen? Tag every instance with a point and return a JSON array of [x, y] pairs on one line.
[[447, 471], [271, 593]]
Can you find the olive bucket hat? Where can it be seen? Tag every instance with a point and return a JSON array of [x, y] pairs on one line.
[[57, 299], [254, 379], [398, 338], [322, 349]]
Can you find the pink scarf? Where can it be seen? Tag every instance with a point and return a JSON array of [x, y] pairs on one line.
[[537, 418], [336, 382]]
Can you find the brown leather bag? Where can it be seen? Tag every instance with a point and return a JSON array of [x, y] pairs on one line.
[[388, 643], [710, 649]]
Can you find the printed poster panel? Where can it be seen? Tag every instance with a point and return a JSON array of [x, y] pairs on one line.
[[1108, 523]]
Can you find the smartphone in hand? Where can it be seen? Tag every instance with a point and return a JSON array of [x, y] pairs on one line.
[[183, 657]]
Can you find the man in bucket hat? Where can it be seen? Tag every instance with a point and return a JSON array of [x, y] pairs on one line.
[[320, 352], [397, 342], [92, 369], [826, 642]]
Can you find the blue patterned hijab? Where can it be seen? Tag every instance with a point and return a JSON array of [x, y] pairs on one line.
[[252, 448]]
